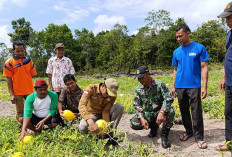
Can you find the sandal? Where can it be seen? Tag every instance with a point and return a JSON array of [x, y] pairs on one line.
[[202, 144], [185, 137], [222, 148]]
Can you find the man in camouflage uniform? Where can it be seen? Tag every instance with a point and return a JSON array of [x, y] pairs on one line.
[[153, 106]]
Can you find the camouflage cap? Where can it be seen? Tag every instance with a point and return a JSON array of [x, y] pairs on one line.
[[111, 86], [227, 11], [59, 45], [141, 71]]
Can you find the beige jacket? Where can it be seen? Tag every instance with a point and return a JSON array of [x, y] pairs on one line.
[[92, 102]]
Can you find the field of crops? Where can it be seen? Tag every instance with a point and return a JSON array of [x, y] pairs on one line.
[[69, 142]]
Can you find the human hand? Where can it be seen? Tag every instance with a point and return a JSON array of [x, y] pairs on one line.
[[160, 118], [61, 114], [203, 93], [222, 85], [40, 125], [144, 123], [13, 99], [173, 92], [92, 126], [77, 114], [23, 134]]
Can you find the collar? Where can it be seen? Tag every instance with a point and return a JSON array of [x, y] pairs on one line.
[[16, 58], [59, 59]]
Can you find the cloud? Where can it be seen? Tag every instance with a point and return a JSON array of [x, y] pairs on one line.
[[1, 3], [72, 14], [104, 22], [4, 38], [20, 3]]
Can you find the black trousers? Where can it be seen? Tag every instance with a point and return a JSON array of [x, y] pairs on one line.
[[228, 113], [191, 97]]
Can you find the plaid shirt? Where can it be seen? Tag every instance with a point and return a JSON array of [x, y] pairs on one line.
[[70, 101]]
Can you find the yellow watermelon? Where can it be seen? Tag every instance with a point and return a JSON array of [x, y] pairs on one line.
[[102, 126], [68, 115], [27, 139]]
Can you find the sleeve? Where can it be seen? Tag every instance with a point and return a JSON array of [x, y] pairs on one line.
[[8, 69], [106, 110], [63, 98], [138, 104], [32, 70], [168, 99], [29, 106], [49, 69], [204, 54], [83, 103], [72, 70], [54, 102], [174, 61]]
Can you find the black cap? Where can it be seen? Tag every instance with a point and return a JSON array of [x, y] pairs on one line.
[[227, 11], [141, 71]]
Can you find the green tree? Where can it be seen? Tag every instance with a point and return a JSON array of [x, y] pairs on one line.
[[5, 53], [212, 35], [22, 30], [159, 20], [85, 41]]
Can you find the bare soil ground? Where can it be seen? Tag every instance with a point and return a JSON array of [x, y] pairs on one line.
[[214, 135]]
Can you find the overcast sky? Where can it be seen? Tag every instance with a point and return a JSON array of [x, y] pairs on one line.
[[98, 15]]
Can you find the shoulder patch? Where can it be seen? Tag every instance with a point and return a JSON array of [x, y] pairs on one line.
[[86, 92]]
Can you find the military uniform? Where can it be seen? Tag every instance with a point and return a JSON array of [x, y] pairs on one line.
[[93, 105], [149, 101]]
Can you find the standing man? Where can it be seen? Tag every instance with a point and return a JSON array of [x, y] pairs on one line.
[[153, 106], [40, 109], [226, 82], [189, 61], [19, 70], [70, 96], [57, 68], [97, 102]]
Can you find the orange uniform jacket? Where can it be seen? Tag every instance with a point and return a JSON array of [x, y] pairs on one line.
[[92, 102]]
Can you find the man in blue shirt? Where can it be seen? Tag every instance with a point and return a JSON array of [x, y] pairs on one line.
[[226, 82], [189, 61]]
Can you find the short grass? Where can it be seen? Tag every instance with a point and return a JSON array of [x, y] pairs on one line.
[[66, 141]]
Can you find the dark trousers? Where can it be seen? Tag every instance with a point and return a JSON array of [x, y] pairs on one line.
[[191, 97], [228, 113]]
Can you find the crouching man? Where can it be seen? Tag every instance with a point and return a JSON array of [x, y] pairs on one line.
[[40, 108], [70, 97], [97, 102], [153, 106]]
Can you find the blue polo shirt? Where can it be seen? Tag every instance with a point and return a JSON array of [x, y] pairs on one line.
[[188, 61], [228, 62]]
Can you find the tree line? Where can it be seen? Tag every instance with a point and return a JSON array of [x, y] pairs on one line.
[[114, 50]]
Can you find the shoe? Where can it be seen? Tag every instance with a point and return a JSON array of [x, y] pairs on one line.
[[165, 142], [113, 141], [153, 132]]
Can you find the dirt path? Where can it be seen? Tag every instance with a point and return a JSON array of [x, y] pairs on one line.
[[214, 135]]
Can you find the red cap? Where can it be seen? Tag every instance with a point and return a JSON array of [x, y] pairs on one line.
[[40, 83]]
